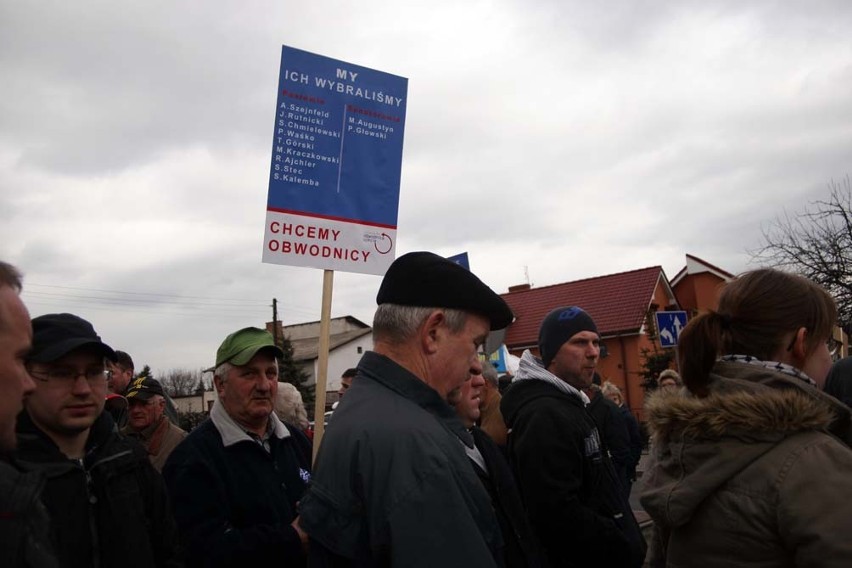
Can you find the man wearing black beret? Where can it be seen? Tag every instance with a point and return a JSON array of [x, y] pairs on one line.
[[392, 484], [571, 491]]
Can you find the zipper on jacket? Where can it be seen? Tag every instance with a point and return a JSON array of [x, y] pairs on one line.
[[92, 501]]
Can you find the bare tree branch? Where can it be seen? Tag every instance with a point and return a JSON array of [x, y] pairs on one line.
[[816, 243], [182, 382]]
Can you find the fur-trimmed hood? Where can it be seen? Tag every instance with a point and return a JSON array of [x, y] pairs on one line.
[[739, 413], [699, 444], [747, 400]]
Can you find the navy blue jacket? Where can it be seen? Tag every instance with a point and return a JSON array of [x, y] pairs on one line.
[[234, 505]]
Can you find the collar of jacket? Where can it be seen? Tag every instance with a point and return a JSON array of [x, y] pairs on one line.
[[746, 400], [99, 432], [393, 376], [36, 447], [232, 433], [532, 368]]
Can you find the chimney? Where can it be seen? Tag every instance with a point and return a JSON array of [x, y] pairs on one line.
[[519, 288]]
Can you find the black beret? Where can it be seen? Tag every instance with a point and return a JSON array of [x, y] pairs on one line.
[[427, 280]]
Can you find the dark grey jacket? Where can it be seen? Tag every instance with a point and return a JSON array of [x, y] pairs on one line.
[[392, 485]]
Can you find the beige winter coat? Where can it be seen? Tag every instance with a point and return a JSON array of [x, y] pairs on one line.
[[750, 475]]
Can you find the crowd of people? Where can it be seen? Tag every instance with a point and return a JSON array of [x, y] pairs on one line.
[[425, 461]]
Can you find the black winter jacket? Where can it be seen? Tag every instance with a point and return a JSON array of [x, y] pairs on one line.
[[24, 524], [569, 485], [234, 504], [615, 437], [111, 510], [635, 438], [521, 548]]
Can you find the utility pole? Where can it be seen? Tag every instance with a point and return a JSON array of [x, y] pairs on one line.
[[275, 321]]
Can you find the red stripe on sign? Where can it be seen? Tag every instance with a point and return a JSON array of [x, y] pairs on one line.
[[331, 218]]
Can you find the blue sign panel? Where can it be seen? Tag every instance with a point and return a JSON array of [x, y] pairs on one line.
[[498, 359], [336, 164], [669, 326], [461, 260]]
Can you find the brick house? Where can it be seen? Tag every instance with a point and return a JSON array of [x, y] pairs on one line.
[[698, 284]]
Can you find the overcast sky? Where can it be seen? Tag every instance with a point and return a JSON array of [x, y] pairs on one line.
[[568, 139]]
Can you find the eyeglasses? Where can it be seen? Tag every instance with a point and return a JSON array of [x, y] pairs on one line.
[[833, 345], [67, 375]]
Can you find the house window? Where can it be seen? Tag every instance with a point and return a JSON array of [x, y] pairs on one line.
[[360, 350]]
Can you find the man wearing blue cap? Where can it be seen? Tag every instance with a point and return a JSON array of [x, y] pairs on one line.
[[235, 480], [393, 485], [570, 489], [107, 504]]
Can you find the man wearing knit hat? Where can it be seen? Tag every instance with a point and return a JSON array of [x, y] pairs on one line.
[[235, 480], [393, 485], [571, 491]]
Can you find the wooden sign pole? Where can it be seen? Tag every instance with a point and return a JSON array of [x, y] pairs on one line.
[[322, 361]]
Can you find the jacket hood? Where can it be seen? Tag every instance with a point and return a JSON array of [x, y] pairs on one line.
[[738, 414], [701, 443]]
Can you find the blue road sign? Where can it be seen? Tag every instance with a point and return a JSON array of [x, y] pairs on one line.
[[498, 359], [669, 326], [336, 164]]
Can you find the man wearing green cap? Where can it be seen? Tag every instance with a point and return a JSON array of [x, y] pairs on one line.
[[236, 479]]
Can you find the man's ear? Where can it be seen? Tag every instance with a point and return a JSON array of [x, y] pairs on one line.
[[431, 332], [219, 384]]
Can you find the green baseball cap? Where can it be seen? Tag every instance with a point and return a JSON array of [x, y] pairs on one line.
[[239, 347]]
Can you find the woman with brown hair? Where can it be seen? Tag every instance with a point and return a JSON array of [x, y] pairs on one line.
[[751, 464]]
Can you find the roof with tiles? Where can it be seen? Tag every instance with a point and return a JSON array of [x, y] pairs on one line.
[[617, 302]]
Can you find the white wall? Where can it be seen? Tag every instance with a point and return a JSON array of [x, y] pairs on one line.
[[195, 403], [339, 360]]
